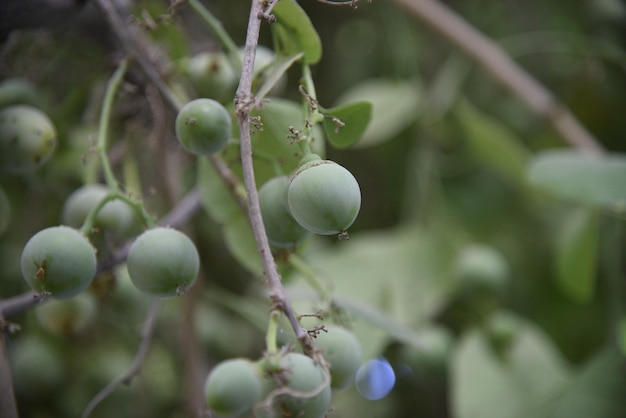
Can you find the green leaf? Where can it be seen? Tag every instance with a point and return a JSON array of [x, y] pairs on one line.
[[524, 381], [275, 73], [395, 105], [345, 125], [596, 391], [294, 33], [577, 255], [240, 241], [492, 142], [217, 200], [588, 179]]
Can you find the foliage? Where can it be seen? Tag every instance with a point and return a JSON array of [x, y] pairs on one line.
[[483, 276]]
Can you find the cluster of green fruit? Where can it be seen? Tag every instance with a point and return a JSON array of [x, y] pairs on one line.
[[285, 383], [320, 196], [61, 262]]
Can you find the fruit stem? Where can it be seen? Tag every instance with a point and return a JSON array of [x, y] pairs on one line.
[[272, 332], [217, 28], [309, 275], [103, 128]]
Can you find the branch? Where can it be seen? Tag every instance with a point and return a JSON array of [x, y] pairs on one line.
[[135, 367], [243, 105], [502, 68]]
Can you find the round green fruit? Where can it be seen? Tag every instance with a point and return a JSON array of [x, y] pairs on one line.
[[212, 75], [67, 318], [115, 214], [17, 90], [203, 126], [5, 211], [59, 261], [27, 138], [306, 388], [233, 387], [342, 350], [163, 262], [282, 229], [323, 196], [482, 267]]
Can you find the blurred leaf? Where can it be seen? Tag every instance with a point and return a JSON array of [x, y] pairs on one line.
[[492, 142], [217, 200], [345, 125], [518, 384], [294, 32], [240, 242], [596, 391], [577, 254], [393, 279], [395, 105], [588, 179]]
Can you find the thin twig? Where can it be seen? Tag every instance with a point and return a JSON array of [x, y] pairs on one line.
[[243, 105], [503, 69], [137, 46], [146, 339]]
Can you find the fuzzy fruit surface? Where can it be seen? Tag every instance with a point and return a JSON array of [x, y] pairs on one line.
[[324, 197], [212, 75], [306, 386], [59, 260], [115, 214], [163, 262], [27, 138], [283, 231], [203, 126], [233, 387], [343, 352]]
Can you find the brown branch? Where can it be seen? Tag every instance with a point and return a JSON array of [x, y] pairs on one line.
[[497, 63], [243, 105]]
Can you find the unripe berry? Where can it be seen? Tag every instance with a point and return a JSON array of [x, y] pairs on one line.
[[60, 261], [282, 229], [115, 214], [163, 262], [203, 126], [27, 138], [212, 75], [306, 388], [342, 350], [233, 387], [323, 196]]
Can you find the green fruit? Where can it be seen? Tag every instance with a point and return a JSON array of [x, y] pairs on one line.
[[27, 138], [60, 261], [5, 211], [323, 196], [429, 360], [212, 75], [67, 318], [203, 126], [282, 229], [306, 389], [18, 91], [482, 267], [343, 352], [38, 369], [163, 262], [233, 387], [115, 214]]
